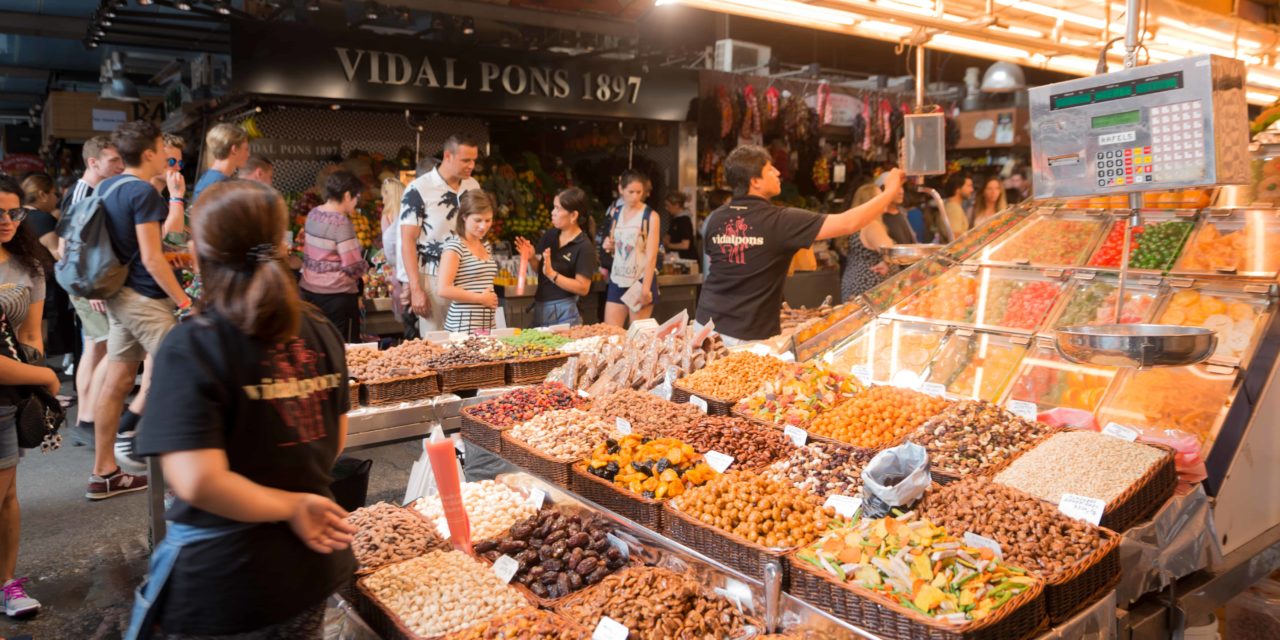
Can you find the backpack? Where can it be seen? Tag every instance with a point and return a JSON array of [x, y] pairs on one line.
[[89, 267]]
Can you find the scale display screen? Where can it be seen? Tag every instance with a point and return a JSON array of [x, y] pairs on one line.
[[1118, 91], [1117, 119]]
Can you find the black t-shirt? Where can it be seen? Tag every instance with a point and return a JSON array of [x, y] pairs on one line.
[[274, 409], [40, 222], [899, 228], [681, 230], [750, 243], [578, 258], [134, 203]]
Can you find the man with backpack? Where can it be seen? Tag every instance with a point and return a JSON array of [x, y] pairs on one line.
[[144, 298]]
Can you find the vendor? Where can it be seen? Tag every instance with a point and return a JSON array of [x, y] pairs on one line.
[[680, 238], [566, 259], [750, 243]]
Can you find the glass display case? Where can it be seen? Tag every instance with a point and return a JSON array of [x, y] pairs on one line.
[[951, 297], [889, 351], [1188, 399], [899, 286], [1061, 239], [1237, 242], [977, 364], [1154, 244], [970, 243], [1050, 381], [1235, 314], [1091, 299], [1016, 299]]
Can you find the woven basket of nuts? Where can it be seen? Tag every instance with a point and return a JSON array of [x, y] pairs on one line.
[[533, 370], [353, 389], [554, 470], [479, 432], [526, 624], [482, 375], [402, 389]]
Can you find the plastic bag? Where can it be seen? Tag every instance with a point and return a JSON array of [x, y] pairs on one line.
[[1068, 417], [1255, 614], [1188, 460], [895, 479]]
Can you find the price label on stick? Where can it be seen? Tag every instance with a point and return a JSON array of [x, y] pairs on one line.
[[537, 497], [610, 629], [1116, 430], [505, 567], [623, 426], [1023, 409], [862, 372], [719, 461], [583, 393], [798, 436], [1082, 508], [983, 542], [699, 403], [933, 388], [845, 506]]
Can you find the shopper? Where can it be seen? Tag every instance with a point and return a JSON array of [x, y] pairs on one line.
[[1017, 187], [101, 161], [959, 188], [247, 437], [22, 265], [173, 180], [566, 259], [40, 198], [333, 263], [680, 238], [989, 201], [228, 146], [751, 242], [428, 215], [259, 169], [634, 243], [467, 267], [141, 313], [864, 266], [392, 194]]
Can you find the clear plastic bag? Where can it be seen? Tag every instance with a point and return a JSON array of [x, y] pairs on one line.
[[1255, 614], [895, 479]]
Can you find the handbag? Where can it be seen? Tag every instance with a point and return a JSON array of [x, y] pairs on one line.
[[39, 415]]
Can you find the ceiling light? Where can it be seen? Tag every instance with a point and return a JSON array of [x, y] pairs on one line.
[[185, 6], [1003, 77], [888, 28], [1023, 31], [335, 107], [787, 10], [1266, 80], [372, 11], [145, 2], [468, 26], [313, 5], [971, 46], [1050, 12], [221, 7]]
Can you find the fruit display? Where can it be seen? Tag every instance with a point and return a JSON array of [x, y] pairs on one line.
[[977, 365], [442, 592], [920, 566], [1154, 245], [905, 283], [759, 510], [732, 377], [1233, 246], [535, 337], [822, 468], [523, 404], [821, 320], [1048, 241], [559, 553], [1084, 463], [877, 417], [650, 468], [952, 298], [1233, 318], [659, 604], [972, 436], [1049, 381], [491, 507], [904, 347], [1109, 253], [1016, 303], [800, 392], [1184, 398], [1094, 302]]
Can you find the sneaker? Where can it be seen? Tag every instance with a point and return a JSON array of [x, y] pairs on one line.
[[125, 457], [17, 604], [117, 483], [80, 436]]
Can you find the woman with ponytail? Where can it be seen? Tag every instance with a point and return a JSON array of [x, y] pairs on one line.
[[247, 414]]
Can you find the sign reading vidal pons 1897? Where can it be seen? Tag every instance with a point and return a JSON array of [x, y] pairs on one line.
[[291, 61]]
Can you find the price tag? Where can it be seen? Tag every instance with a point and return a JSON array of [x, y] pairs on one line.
[[503, 333], [862, 372], [583, 393], [699, 403], [983, 542], [719, 461], [934, 389], [537, 497], [624, 426], [505, 567], [1116, 430], [610, 629], [1023, 409], [845, 506], [352, 346], [1082, 508], [738, 592], [798, 436], [437, 336]]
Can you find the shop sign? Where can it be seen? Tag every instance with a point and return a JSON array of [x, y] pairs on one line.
[[296, 149], [292, 61]]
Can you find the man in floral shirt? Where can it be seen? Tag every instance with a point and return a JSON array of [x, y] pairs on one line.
[[427, 220]]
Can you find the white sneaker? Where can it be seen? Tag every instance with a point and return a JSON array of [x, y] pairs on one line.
[[129, 462], [17, 604]]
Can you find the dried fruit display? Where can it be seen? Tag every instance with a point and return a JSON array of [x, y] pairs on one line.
[[976, 366], [1235, 247], [1091, 303], [953, 299], [559, 553], [1233, 318], [523, 404], [1048, 241], [1189, 399], [799, 393], [1049, 380], [733, 376], [650, 468], [1018, 304]]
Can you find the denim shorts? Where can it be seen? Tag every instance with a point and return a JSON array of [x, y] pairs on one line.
[[615, 292], [9, 452], [551, 312]]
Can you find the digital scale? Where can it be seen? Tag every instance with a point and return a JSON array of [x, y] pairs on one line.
[[1165, 126]]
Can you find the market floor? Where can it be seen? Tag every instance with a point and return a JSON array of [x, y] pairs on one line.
[[84, 558]]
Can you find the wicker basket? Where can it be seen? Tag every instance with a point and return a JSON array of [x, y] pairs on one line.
[[353, 388], [743, 555], [566, 627], [481, 433], [1021, 617], [715, 406], [1145, 496], [533, 370], [397, 390], [554, 470], [483, 375], [643, 511], [572, 599], [1070, 591], [944, 476], [551, 603], [388, 625]]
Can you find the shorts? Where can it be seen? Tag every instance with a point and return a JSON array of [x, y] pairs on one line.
[[9, 452], [138, 325], [551, 312], [439, 306], [614, 293], [93, 324]]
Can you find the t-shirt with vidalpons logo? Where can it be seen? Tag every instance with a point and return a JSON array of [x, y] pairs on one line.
[[749, 244]]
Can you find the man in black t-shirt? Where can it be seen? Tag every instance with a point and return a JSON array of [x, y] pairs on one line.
[[750, 241]]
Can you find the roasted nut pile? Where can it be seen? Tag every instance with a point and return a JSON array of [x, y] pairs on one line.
[[525, 624], [559, 553], [646, 412], [536, 338], [526, 403], [528, 352], [567, 434], [473, 350], [732, 377], [1085, 463], [759, 510], [650, 468], [408, 358], [822, 468], [657, 604], [593, 331], [877, 416], [1032, 533], [442, 592], [386, 533], [491, 506], [358, 361], [970, 436], [751, 445]]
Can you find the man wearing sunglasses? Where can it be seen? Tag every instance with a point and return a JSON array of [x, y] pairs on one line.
[[173, 180]]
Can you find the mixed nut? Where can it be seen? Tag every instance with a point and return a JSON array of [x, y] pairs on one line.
[[525, 624], [975, 435], [645, 411], [442, 592], [559, 553], [658, 604], [525, 403], [386, 533], [822, 468], [566, 434]]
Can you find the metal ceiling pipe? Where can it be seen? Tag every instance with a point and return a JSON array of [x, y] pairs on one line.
[[920, 78], [1133, 20]]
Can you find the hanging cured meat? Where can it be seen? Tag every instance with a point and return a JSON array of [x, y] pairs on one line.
[[824, 103], [822, 174], [867, 121], [726, 111], [751, 113], [774, 101]]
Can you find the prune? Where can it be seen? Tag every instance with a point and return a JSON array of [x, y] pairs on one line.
[[579, 540], [597, 575], [663, 464]]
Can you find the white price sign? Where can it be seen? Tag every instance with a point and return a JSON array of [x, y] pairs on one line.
[[983, 542], [719, 461], [610, 629], [1082, 508], [934, 389], [862, 372], [505, 567], [1116, 430], [845, 506], [623, 426], [537, 497], [583, 393], [798, 436], [1023, 409], [699, 403]]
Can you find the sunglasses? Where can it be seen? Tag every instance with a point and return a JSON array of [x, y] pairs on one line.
[[176, 163], [15, 215]]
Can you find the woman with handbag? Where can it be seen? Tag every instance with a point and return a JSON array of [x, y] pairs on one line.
[[22, 264], [248, 414]]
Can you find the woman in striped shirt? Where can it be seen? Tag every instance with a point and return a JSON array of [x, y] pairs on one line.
[[467, 268], [332, 262]]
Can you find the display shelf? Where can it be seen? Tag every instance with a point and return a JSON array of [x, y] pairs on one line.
[[1187, 399], [889, 351], [1243, 243], [1061, 239], [854, 315], [978, 364], [903, 284], [1016, 299], [1155, 243], [1091, 299], [967, 246], [1049, 381], [950, 298], [1237, 314]]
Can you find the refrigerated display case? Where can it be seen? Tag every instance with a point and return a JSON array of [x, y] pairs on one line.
[[977, 364], [1187, 399], [1238, 242], [1155, 243], [1235, 313], [889, 352], [1091, 300]]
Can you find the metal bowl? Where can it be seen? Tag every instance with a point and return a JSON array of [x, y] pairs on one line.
[[1136, 345], [904, 254]]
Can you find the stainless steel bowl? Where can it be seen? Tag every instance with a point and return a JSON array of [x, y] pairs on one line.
[[1136, 345], [904, 254]]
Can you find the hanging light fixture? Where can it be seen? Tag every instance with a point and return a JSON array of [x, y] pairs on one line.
[[1003, 77], [221, 7]]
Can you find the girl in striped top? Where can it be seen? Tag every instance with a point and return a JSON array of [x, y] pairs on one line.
[[332, 261], [467, 267]]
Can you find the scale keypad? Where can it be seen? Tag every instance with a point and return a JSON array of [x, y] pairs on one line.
[[1176, 152]]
